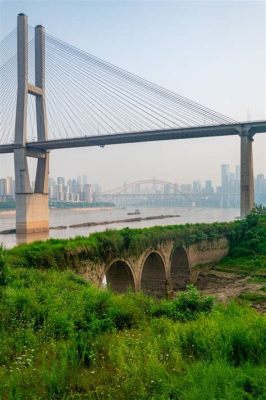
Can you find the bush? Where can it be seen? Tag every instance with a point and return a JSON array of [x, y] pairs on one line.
[[187, 306]]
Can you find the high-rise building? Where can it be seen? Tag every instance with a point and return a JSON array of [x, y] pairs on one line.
[[61, 181], [225, 171], [3, 187], [196, 186], [208, 187], [10, 189], [260, 189], [237, 172], [166, 188], [176, 188], [260, 183], [87, 193]]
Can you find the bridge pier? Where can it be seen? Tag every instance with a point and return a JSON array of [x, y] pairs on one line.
[[246, 178], [32, 213], [32, 205]]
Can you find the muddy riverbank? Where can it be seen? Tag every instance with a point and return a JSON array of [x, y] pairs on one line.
[[225, 286]]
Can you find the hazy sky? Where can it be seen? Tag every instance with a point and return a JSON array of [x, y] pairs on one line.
[[213, 52]]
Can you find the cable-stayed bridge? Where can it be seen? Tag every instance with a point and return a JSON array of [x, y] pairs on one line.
[[55, 96]]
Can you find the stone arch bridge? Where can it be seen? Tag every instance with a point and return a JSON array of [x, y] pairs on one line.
[[158, 271]]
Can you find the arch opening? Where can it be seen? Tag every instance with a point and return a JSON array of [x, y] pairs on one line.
[[153, 278], [119, 277], [180, 271]]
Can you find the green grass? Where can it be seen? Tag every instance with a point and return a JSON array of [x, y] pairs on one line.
[[61, 338], [7, 205], [253, 296], [247, 265], [247, 256]]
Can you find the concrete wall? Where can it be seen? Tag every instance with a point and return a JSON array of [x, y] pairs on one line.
[[158, 271], [206, 252]]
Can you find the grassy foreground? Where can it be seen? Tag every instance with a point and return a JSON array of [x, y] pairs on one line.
[[61, 338]]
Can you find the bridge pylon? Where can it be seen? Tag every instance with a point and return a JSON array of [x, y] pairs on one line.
[[32, 204], [246, 171]]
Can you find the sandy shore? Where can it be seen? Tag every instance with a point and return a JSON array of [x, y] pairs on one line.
[[7, 212], [82, 209], [118, 221], [85, 209]]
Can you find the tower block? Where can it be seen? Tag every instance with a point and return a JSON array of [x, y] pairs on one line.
[[32, 204]]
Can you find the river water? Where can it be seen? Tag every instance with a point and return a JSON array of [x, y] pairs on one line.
[[66, 217]]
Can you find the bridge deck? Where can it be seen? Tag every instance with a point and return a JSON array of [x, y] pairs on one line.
[[144, 136]]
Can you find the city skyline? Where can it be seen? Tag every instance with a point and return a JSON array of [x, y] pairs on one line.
[[79, 189], [194, 179]]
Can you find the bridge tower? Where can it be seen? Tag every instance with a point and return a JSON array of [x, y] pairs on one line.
[[32, 208], [246, 171]]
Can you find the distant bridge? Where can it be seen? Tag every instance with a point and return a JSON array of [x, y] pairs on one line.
[[123, 189], [67, 98], [146, 193]]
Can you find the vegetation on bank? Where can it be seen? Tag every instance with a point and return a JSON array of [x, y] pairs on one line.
[[7, 205], [62, 338], [104, 246], [246, 237], [248, 255], [11, 204], [81, 204]]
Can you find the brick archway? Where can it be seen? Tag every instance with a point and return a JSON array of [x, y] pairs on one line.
[[179, 268], [153, 275], [119, 276]]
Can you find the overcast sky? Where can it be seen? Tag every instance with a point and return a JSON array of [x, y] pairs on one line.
[[213, 52]]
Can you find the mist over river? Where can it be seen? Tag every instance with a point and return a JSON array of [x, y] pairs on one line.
[[66, 217]]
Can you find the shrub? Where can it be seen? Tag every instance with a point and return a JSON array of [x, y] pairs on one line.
[[187, 306]]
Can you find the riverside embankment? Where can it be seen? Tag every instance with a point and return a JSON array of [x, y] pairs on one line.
[[90, 224], [156, 260], [65, 218]]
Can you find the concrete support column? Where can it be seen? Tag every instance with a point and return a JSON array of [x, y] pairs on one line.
[[21, 165], [32, 209], [41, 182], [247, 178]]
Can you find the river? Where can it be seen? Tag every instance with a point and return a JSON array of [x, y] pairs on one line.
[[66, 217]]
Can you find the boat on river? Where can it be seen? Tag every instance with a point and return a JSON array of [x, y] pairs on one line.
[[136, 212]]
